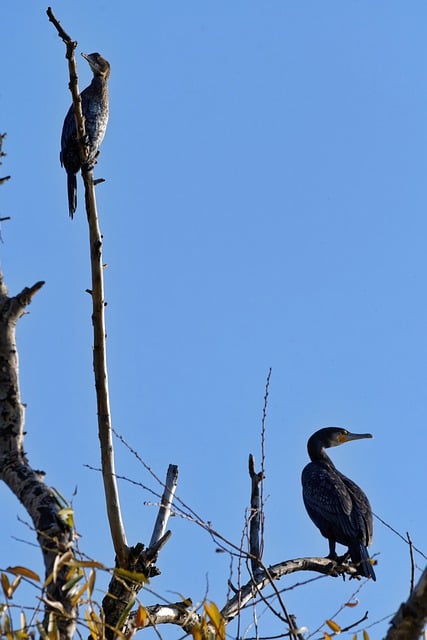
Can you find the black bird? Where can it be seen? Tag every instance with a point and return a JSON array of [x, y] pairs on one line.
[[95, 111], [337, 506]]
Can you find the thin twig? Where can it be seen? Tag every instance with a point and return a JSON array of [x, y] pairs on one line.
[[341, 608], [288, 618], [180, 506], [263, 429], [237, 591], [411, 555], [402, 537]]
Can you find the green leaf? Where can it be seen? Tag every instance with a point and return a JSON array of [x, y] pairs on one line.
[[133, 576]]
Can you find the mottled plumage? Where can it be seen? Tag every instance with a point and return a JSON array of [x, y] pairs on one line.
[[337, 506], [95, 110]]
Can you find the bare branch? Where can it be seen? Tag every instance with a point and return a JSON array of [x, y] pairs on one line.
[[61, 33], [255, 518], [54, 533], [276, 571], [166, 504], [409, 621], [2, 154], [178, 613], [98, 317], [184, 615], [411, 554], [263, 428], [101, 377], [73, 86]]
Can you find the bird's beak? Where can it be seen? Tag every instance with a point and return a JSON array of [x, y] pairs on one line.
[[348, 437], [85, 56]]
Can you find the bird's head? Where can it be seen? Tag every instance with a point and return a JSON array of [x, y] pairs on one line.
[[332, 437], [99, 65], [338, 436]]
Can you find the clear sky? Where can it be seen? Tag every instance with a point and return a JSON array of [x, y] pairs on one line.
[[265, 205]]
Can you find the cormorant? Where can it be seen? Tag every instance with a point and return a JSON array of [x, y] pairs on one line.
[[95, 111], [337, 506]]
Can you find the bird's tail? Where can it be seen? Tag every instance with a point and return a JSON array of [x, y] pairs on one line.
[[360, 557], [72, 193]]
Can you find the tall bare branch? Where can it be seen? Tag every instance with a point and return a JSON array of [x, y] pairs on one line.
[[112, 499]]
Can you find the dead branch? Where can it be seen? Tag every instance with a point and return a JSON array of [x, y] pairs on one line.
[[101, 377], [165, 506], [409, 621], [54, 533], [73, 86], [255, 518], [98, 316], [185, 616], [277, 571], [263, 431], [178, 613], [2, 154], [411, 554]]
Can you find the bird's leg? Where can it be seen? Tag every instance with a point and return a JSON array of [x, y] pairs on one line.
[[332, 553], [90, 164]]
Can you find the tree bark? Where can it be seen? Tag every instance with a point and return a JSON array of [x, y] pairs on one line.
[[54, 533], [409, 621]]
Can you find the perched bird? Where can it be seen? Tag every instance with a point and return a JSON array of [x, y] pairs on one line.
[[337, 506], [95, 111]]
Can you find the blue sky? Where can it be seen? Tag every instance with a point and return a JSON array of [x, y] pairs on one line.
[[264, 206]]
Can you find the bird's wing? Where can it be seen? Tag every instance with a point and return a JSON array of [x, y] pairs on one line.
[[68, 130], [362, 512], [328, 501]]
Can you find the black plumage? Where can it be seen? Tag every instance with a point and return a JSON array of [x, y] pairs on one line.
[[95, 111], [336, 505]]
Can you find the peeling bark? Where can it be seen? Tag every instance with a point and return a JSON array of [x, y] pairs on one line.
[[409, 621], [53, 533]]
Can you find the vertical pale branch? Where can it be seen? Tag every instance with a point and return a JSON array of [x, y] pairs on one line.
[[165, 506], [98, 318], [101, 376], [137, 562]]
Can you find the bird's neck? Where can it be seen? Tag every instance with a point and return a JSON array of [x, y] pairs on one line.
[[318, 454], [99, 82]]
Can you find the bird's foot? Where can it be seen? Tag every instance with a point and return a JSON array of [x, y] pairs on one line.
[[342, 559], [339, 560]]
